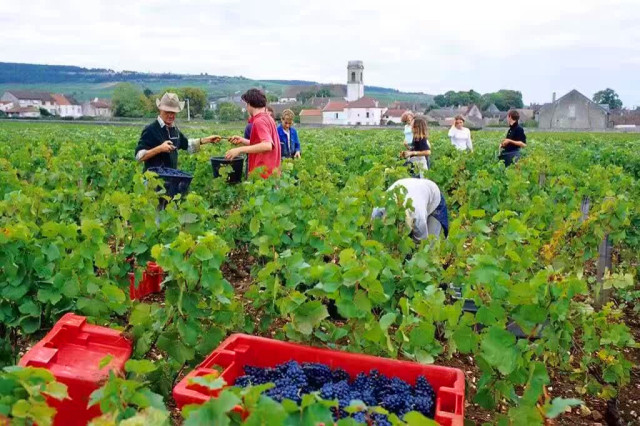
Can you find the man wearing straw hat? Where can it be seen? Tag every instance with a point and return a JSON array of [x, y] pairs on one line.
[[161, 139]]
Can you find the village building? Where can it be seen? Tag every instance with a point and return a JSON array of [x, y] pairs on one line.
[[355, 81], [364, 112], [25, 98], [24, 112], [492, 116], [573, 111], [393, 116], [446, 116], [66, 106], [97, 108], [311, 116], [5, 105], [334, 113]]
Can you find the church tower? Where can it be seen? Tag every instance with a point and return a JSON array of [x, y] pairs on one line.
[[355, 84]]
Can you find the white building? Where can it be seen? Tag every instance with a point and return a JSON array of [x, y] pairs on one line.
[[393, 116], [25, 98], [364, 112], [24, 112], [334, 113], [355, 81], [5, 105], [97, 108], [66, 106], [287, 100]]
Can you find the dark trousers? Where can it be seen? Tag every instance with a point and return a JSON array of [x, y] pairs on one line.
[[509, 157]]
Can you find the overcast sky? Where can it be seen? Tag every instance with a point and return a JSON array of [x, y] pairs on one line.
[[432, 46]]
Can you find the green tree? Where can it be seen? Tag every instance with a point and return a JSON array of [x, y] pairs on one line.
[[323, 93], [208, 114], [503, 99], [440, 100], [227, 111], [272, 98], [197, 99], [129, 101], [147, 92], [305, 96], [608, 97]]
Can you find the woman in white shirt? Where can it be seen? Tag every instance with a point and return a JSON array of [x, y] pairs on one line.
[[460, 136], [407, 119]]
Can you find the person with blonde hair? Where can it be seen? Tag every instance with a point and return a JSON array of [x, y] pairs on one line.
[[419, 151], [460, 136], [289, 142], [407, 120]]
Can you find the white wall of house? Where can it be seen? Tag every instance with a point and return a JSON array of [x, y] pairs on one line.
[[74, 111], [103, 112], [286, 100], [334, 117], [394, 120], [364, 116], [4, 107]]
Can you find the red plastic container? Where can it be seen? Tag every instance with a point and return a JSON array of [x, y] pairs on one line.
[[72, 352], [150, 283], [240, 350]]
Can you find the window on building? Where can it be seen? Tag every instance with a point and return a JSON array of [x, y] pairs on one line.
[[367, 115], [353, 76], [336, 115], [572, 111]]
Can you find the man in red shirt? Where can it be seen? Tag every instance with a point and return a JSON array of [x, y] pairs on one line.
[[263, 145]]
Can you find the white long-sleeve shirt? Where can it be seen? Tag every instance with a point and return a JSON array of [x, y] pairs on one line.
[[425, 199], [461, 138]]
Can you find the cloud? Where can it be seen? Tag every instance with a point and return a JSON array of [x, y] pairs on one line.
[[432, 47]]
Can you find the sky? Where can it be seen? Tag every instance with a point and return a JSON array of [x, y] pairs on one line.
[[431, 46]]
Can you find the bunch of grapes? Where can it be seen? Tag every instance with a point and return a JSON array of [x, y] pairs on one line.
[[292, 380]]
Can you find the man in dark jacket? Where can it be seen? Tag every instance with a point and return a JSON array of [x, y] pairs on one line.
[[161, 139], [514, 140]]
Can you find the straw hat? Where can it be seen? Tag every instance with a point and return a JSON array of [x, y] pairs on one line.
[[170, 102]]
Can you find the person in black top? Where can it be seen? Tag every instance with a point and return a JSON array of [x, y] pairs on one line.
[[418, 155], [514, 140], [161, 139]]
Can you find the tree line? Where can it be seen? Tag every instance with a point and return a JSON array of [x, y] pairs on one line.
[[130, 100]]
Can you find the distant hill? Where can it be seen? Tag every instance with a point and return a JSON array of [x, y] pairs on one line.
[[87, 83]]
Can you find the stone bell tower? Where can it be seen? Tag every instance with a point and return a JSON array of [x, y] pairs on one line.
[[355, 83]]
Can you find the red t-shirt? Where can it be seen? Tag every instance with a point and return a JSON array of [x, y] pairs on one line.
[[263, 129]]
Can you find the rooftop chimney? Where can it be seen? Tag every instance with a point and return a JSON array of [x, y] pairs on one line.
[[553, 98]]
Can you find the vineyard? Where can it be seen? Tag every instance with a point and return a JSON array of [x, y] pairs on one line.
[[298, 258]]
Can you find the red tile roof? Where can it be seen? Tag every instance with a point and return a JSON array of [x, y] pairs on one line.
[[60, 99], [335, 106], [363, 103], [100, 104], [311, 112]]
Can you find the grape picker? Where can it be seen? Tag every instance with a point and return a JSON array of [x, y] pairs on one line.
[[515, 139], [161, 139], [429, 215], [263, 145]]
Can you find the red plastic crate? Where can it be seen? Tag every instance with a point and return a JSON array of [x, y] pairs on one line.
[[72, 352], [241, 349], [150, 283]]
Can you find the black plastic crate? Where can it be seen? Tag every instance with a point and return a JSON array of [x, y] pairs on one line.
[[175, 181]]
